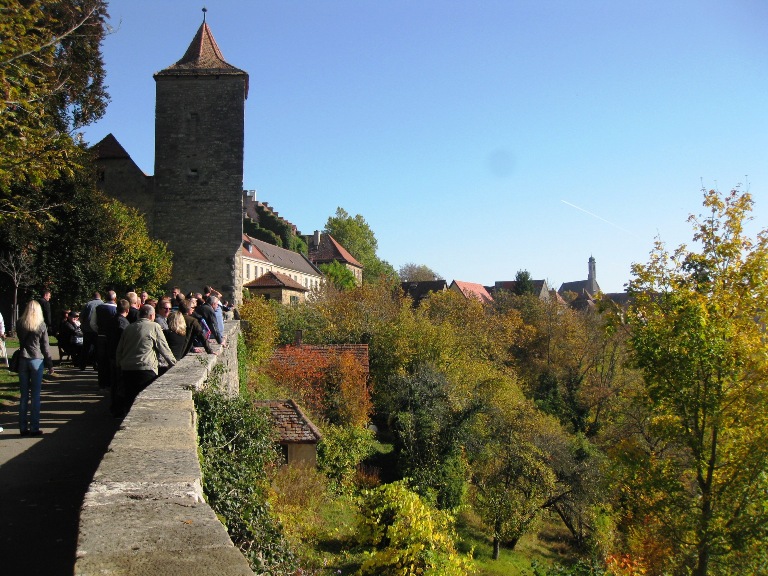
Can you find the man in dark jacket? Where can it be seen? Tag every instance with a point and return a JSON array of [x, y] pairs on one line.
[[206, 311], [100, 321], [89, 334]]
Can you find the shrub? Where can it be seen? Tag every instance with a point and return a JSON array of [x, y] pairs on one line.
[[341, 451], [406, 536], [236, 452]]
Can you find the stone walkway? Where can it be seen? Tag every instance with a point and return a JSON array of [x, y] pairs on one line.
[[43, 479]]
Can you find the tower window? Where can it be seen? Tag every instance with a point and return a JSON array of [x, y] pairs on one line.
[[192, 173]]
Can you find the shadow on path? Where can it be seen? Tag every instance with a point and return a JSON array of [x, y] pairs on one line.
[[43, 479]]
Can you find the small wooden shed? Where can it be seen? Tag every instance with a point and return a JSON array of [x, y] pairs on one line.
[[298, 436]]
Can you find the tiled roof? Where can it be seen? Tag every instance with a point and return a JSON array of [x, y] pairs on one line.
[[579, 287], [472, 290], [255, 253], [327, 351], [203, 57], [292, 425], [285, 258], [330, 250], [109, 147], [273, 279], [420, 290]]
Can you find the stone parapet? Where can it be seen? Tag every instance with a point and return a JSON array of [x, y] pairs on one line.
[[144, 512]]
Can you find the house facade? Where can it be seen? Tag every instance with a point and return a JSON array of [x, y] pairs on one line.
[[258, 257], [324, 249]]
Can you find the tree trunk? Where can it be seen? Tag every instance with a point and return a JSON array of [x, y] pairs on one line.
[[496, 547]]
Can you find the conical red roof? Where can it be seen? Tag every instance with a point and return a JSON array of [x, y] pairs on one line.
[[203, 57]]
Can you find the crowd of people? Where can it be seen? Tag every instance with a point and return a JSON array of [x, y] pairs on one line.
[[129, 341]]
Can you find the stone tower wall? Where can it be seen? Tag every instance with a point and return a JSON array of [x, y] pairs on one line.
[[198, 182], [121, 179]]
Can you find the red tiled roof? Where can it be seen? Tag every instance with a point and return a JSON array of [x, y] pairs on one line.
[[292, 425], [203, 57], [255, 252], [472, 290], [327, 351], [274, 279], [330, 250]]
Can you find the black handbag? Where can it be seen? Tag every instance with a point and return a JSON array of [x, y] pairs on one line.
[[13, 364]]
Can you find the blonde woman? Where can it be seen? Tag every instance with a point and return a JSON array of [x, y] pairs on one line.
[[176, 335], [35, 355]]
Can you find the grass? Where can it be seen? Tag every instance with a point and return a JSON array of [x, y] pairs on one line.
[[546, 547], [9, 381]]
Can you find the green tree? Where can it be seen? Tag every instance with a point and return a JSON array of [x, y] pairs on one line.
[[87, 241], [411, 272], [523, 283], [52, 83], [341, 277], [356, 236], [428, 436], [512, 476], [698, 334]]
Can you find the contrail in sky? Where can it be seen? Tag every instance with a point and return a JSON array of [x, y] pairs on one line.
[[596, 216]]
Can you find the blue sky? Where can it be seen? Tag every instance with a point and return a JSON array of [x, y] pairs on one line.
[[478, 138]]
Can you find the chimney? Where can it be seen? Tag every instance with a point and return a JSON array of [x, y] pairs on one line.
[[297, 337], [317, 238]]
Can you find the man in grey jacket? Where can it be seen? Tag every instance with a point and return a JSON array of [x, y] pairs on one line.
[[137, 353]]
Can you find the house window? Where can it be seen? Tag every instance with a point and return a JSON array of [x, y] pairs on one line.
[[247, 271], [294, 300]]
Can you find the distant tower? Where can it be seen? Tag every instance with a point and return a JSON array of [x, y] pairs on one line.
[[592, 286], [198, 182]]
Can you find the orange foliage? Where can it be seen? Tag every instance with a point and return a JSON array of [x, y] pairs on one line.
[[334, 388], [301, 370], [347, 391]]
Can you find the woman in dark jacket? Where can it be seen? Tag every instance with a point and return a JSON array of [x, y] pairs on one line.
[[35, 356], [176, 335]]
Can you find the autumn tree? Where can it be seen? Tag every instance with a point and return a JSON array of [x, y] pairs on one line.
[[698, 334], [52, 83]]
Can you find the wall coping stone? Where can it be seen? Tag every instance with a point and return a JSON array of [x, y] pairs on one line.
[[144, 512]]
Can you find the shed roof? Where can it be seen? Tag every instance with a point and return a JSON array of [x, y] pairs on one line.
[[292, 425]]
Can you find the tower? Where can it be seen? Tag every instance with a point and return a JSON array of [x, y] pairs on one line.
[[592, 286], [198, 181]]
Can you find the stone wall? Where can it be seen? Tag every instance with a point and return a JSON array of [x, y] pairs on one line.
[[144, 512]]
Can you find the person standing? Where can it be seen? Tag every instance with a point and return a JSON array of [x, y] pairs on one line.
[[133, 313], [35, 353], [100, 321], [89, 334], [117, 324], [137, 353], [163, 310], [45, 306]]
